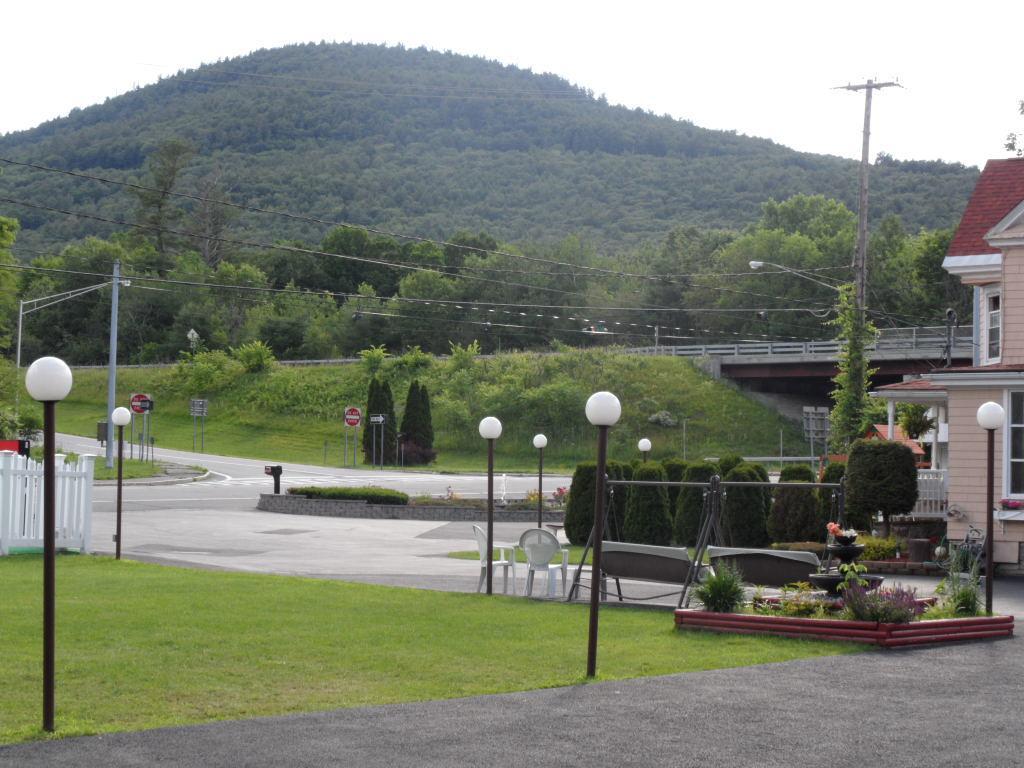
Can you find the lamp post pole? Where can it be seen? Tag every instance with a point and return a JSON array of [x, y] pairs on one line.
[[991, 416], [490, 430], [48, 381], [603, 410], [989, 522], [49, 563], [119, 417], [540, 442]]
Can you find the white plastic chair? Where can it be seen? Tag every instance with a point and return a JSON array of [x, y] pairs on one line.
[[540, 546], [503, 561]]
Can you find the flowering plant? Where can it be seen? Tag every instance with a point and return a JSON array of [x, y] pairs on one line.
[[1011, 503], [560, 494], [837, 530]]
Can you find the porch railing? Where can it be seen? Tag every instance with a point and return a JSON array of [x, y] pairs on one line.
[[932, 493]]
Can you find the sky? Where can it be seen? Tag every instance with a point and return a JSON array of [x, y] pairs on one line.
[[766, 69]]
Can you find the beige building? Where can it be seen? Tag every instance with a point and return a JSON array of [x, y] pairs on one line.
[[986, 252]]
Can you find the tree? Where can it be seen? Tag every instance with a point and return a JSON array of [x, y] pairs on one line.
[[370, 432], [850, 396], [690, 503], [157, 208], [618, 470], [674, 471], [647, 520], [828, 508], [1012, 140], [390, 423], [881, 476], [8, 281], [579, 507], [743, 518], [210, 219], [794, 514], [417, 432]]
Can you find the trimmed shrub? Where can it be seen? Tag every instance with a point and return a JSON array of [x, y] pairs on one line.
[[618, 470], [833, 473], [647, 520], [794, 512], [690, 503], [880, 476], [369, 494], [674, 470], [743, 518], [579, 508], [766, 491], [729, 462], [877, 548]]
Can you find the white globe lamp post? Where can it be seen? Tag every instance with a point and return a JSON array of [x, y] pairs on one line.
[[991, 417], [603, 411], [490, 430], [48, 380]]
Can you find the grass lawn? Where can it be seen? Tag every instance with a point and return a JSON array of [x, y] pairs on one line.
[[142, 646], [133, 468]]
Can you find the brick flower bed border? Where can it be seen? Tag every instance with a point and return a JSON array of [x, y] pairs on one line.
[[288, 504], [874, 633]]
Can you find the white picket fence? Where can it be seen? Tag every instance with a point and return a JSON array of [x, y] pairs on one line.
[[21, 502]]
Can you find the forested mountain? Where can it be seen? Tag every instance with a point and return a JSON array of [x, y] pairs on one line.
[[429, 143]]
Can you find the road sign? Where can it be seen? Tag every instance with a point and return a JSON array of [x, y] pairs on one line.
[[141, 403], [353, 417], [377, 418], [198, 407]]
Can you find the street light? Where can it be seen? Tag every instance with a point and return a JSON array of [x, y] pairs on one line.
[[120, 418], [603, 411], [540, 443], [991, 417], [490, 430], [48, 380], [644, 446], [755, 265]]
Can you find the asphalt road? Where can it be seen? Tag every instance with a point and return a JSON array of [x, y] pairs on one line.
[[953, 706]]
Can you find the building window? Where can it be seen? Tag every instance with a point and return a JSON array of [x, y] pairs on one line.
[[1017, 443], [993, 326]]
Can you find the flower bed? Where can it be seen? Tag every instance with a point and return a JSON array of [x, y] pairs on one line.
[[875, 633]]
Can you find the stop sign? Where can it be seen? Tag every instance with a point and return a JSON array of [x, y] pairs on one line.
[[353, 417]]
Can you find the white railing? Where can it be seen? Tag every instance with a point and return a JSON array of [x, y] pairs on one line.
[[932, 492], [21, 502], [929, 341]]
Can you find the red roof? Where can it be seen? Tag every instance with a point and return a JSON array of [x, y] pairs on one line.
[[882, 431], [998, 191], [914, 385]]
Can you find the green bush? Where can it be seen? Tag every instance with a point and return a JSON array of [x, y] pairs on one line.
[[674, 471], [690, 503], [579, 508], [647, 519], [721, 591], [369, 494], [833, 473], [743, 518], [880, 476], [877, 548], [800, 546], [766, 490], [255, 356], [728, 462], [618, 470], [794, 512], [206, 372]]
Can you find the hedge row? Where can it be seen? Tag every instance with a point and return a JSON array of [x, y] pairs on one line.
[[369, 494]]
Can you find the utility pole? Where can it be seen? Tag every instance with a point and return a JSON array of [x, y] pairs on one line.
[[112, 364], [860, 260]]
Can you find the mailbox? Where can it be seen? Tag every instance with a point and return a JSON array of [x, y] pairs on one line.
[[274, 471]]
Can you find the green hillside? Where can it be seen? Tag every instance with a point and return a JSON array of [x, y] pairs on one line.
[[429, 142], [288, 413]]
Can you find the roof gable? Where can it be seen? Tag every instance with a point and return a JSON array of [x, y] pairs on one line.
[[999, 190]]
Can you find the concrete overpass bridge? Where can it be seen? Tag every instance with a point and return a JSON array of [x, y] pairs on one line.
[[806, 368]]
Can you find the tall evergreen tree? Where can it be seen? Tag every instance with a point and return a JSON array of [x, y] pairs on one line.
[[390, 423], [372, 407], [426, 419]]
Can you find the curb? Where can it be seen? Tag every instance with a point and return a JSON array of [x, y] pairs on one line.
[[145, 481]]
